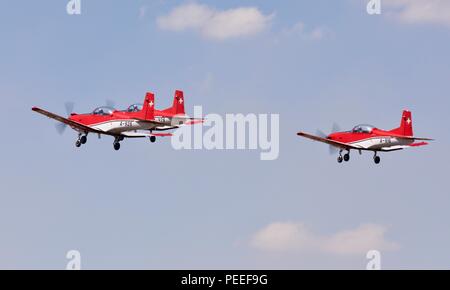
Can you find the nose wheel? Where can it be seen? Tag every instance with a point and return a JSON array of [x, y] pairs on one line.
[[116, 143], [376, 159], [345, 158], [153, 139], [82, 139]]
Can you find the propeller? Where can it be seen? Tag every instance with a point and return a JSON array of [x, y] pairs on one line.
[[61, 127], [321, 134], [336, 128], [69, 107]]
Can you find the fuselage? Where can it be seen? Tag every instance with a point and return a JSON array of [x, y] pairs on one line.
[[374, 140], [121, 121]]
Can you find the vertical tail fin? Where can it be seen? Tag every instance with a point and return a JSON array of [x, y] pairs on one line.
[[178, 104], [148, 107], [406, 127]]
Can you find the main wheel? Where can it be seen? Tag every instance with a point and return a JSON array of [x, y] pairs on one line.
[[153, 139], [83, 139], [339, 159], [116, 146], [346, 157], [377, 159], [78, 143]]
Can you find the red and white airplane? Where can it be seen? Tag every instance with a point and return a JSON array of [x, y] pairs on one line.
[[138, 121], [370, 138]]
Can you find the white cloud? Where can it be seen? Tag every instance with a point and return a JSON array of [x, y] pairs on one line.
[[419, 11], [299, 29], [291, 237], [142, 12], [215, 24]]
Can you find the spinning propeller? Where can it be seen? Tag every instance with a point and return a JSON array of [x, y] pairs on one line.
[[61, 127], [335, 128], [69, 106]]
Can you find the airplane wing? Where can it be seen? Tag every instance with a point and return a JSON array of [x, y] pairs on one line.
[[154, 122], [401, 147], [133, 134], [73, 124], [87, 129], [193, 121], [328, 141], [186, 122], [410, 137], [165, 128], [415, 138]]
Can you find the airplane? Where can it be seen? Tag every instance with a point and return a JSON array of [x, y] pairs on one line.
[[138, 121], [369, 138]]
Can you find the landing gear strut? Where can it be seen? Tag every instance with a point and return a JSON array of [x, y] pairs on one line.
[[116, 143], [340, 159]]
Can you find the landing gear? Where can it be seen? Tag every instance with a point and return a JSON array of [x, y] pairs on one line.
[[153, 139], [376, 158], [116, 143], [340, 159], [347, 157], [82, 139]]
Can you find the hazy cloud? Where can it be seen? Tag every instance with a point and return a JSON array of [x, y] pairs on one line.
[[142, 12], [299, 29], [291, 237], [419, 11], [215, 24]]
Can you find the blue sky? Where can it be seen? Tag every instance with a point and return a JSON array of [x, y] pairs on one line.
[[148, 206]]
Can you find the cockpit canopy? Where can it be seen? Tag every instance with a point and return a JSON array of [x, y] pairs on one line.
[[134, 108], [104, 111], [363, 128]]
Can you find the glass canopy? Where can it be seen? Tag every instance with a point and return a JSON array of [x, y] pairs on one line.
[[363, 128], [134, 108], [105, 111]]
